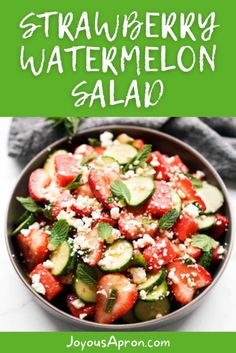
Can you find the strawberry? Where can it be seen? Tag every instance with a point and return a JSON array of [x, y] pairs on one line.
[[84, 150], [84, 206], [161, 200], [51, 284], [185, 227], [220, 226], [61, 203], [159, 162], [159, 254], [84, 190], [186, 279], [190, 250], [85, 311], [177, 165], [138, 143], [185, 185], [105, 218], [217, 254], [95, 247], [66, 169], [132, 225], [99, 150], [38, 181], [100, 185], [34, 247], [126, 297]]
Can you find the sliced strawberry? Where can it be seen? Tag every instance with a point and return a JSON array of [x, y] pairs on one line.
[[34, 247], [186, 279], [177, 164], [138, 143], [159, 254], [105, 218], [134, 225], [66, 169], [85, 311], [190, 250], [95, 247], [84, 150], [220, 226], [84, 205], [161, 200], [100, 185], [159, 162], [38, 181], [61, 203], [51, 284], [126, 297], [185, 185], [185, 227], [99, 150]]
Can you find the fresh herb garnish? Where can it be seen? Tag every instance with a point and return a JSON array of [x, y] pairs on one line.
[[104, 230], [29, 204], [94, 142], [188, 260], [139, 159], [196, 182], [24, 222], [204, 242], [120, 190], [88, 159], [111, 300], [110, 199], [69, 123], [47, 211], [59, 232], [168, 219], [86, 274], [75, 183], [206, 259]]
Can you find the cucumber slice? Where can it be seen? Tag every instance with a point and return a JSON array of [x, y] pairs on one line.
[[117, 257], [61, 258], [49, 165], [139, 260], [158, 292], [141, 188], [212, 197], [152, 281], [130, 318], [86, 292], [145, 311], [176, 202], [106, 162], [123, 153], [205, 222], [30, 219]]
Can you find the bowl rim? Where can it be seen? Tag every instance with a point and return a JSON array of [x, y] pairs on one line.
[[129, 326]]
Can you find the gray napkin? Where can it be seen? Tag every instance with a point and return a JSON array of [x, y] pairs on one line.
[[215, 138]]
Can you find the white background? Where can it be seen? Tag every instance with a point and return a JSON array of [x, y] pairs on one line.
[[19, 312]]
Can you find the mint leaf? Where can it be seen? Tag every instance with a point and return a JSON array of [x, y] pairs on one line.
[[59, 232], [86, 274], [140, 158], [94, 142], [88, 159], [29, 204], [120, 190], [75, 183], [168, 219], [196, 182], [104, 230], [24, 222], [204, 242], [111, 301], [206, 259], [47, 211]]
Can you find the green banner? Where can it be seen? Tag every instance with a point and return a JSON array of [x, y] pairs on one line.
[[118, 342], [123, 58]]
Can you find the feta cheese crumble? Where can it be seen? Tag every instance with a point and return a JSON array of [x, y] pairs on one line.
[[191, 210], [37, 285], [115, 213], [106, 139], [138, 274]]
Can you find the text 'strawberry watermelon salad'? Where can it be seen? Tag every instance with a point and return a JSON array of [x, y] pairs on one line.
[[118, 232]]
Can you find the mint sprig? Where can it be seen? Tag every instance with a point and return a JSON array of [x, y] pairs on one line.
[[104, 230], [75, 183], [196, 182], [29, 204], [203, 241], [88, 159], [140, 158], [59, 232], [111, 300], [86, 274], [168, 219], [94, 142], [120, 190]]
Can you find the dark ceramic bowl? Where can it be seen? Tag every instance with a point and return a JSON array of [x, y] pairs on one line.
[[160, 141]]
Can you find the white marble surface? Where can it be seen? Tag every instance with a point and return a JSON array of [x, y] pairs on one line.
[[19, 312]]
